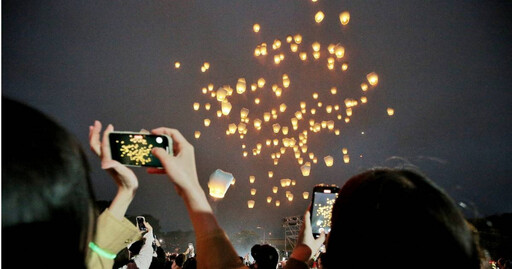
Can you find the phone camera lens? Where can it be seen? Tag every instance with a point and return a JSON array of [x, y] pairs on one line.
[[159, 140]]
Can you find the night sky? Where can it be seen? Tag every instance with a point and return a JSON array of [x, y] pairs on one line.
[[444, 66]]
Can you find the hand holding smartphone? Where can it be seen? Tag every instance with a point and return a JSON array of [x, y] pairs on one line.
[[140, 223], [322, 201], [134, 149]]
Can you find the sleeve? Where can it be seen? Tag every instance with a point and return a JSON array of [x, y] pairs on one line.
[[112, 235], [215, 251], [143, 260]]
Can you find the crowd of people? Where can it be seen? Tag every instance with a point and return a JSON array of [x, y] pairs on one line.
[[389, 218]]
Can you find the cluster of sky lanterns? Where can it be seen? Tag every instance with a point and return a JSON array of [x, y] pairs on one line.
[[294, 130]]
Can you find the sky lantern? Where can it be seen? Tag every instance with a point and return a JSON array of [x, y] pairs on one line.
[[346, 158], [390, 111], [344, 151], [254, 87], [207, 122], [226, 107], [334, 90], [221, 94], [278, 203], [298, 115], [297, 38], [290, 197], [337, 132], [305, 195], [266, 116], [206, 65], [207, 106], [364, 99], [241, 85], [331, 48], [276, 142], [257, 51], [286, 81], [277, 59], [219, 183], [315, 95], [210, 87], [294, 47], [284, 182], [364, 87], [261, 82], [302, 105], [250, 204], [257, 101], [329, 160], [219, 113], [303, 56], [339, 51], [336, 107], [330, 124], [289, 39], [268, 142], [203, 69], [300, 161], [196, 106], [282, 107], [328, 109], [372, 78], [344, 17], [294, 182], [274, 189], [241, 127], [316, 46], [232, 128], [244, 112], [269, 199], [252, 179], [270, 174], [263, 49], [347, 120], [319, 17], [257, 124], [276, 44], [177, 65], [253, 192], [256, 28], [316, 55], [204, 90], [284, 129], [306, 169], [344, 67], [276, 127], [349, 112], [197, 134], [244, 153]]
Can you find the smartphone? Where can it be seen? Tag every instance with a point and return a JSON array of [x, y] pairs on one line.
[[134, 149], [140, 223], [322, 201]]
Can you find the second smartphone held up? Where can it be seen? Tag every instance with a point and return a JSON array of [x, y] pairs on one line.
[[134, 149], [322, 202]]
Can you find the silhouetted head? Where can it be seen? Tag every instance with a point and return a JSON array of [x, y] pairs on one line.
[[46, 193], [398, 219], [266, 256]]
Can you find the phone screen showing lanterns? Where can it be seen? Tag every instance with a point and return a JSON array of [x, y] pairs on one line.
[[322, 211], [133, 149]]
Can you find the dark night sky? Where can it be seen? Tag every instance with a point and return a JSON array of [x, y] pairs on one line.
[[444, 66]]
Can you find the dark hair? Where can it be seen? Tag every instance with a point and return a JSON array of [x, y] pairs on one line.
[[265, 256], [400, 219], [190, 263], [180, 259], [46, 192]]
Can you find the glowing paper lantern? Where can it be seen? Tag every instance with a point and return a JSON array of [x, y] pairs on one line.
[[372, 78], [303, 56], [219, 113], [244, 112], [207, 122], [339, 51], [316, 55], [219, 183], [298, 115], [297, 38], [206, 65], [257, 124], [270, 174], [284, 182], [330, 124], [207, 106], [344, 67], [241, 128], [241, 85], [269, 199], [253, 191], [252, 179], [334, 90], [390, 111], [256, 28], [337, 132], [286, 81], [364, 87], [274, 189], [284, 129], [232, 128], [221, 94], [329, 160], [278, 203], [276, 44], [319, 17], [294, 47], [282, 107], [315, 95], [346, 158], [204, 90], [364, 100], [266, 116], [328, 109], [305, 195], [177, 65], [261, 82], [197, 134], [196, 106], [289, 39], [250, 204], [257, 101], [254, 86], [302, 105], [349, 111], [316, 46], [294, 121], [344, 150], [306, 169], [344, 17], [276, 127], [290, 197], [277, 59]]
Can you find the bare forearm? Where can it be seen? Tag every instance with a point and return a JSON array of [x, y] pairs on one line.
[[121, 202]]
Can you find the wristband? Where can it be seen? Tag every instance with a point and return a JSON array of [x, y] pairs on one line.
[[103, 253]]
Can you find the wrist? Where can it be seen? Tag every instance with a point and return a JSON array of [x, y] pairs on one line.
[[301, 252]]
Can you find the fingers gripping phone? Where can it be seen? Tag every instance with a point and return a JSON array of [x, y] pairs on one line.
[[140, 223], [134, 149], [322, 201]]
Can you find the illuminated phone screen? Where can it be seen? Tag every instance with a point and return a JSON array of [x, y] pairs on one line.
[[322, 211], [134, 149]]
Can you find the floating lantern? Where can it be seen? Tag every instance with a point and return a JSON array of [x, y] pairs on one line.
[[207, 106], [294, 121], [261, 82], [274, 189], [329, 160], [303, 105], [328, 109], [232, 128], [339, 51], [289, 39], [277, 59], [206, 65], [337, 132], [349, 111], [303, 56], [278, 203], [269, 199], [297, 38], [316, 46], [390, 111], [305, 195], [177, 65], [290, 197], [294, 47], [372, 78], [315, 160], [244, 153], [344, 17], [313, 111], [221, 94], [266, 116], [196, 106], [219, 183], [204, 90], [197, 134], [241, 85], [320, 104], [244, 112], [364, 87], [241, 127], [315, 95], [334, 90], [330, 124], [346, 158], [300, 161], [253, 192], [286, 81], [254, 86], [319, 17], [344, 67], [250, 204], [207, 122], [276, 142], [298, 115], [276, 127], [306, 169], [268, 142], [282, 107], [270, 174], [294, 182], [257, 101], [284, 129], [256, 28], [364, 100], [276, 44], [344, 150], [257, 124], [257, 51], [316, 55], [210, 87], [304, 148], [284, 182]]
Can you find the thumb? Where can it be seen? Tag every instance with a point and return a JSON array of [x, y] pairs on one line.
[[163, 156]]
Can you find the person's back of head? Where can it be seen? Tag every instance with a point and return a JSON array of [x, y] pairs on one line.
[[46, 193], [180, 260], [398, 219], [265, 256]]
